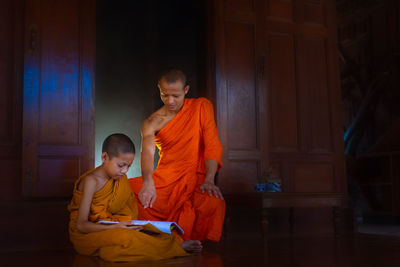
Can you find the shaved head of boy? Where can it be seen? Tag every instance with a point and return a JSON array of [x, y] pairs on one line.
[[117, 155], [116, 144]]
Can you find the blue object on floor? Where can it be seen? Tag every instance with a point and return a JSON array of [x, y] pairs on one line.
[[268, 187], [273, 187]]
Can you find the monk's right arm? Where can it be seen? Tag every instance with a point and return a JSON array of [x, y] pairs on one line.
[[147, 194]]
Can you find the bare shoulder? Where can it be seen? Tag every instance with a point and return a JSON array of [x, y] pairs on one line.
[[156, 118], [154, 122], [89, 182]]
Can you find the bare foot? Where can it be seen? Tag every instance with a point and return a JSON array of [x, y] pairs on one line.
[[192, 246]]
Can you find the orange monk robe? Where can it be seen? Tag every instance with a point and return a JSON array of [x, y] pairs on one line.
[[184, 144], [116, 202]]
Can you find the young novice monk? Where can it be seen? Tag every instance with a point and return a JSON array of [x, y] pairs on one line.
[[104, 194]]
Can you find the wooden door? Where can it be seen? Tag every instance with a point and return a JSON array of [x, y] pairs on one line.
[[240, 92], [58, 109], [306, 137], [278, 95]]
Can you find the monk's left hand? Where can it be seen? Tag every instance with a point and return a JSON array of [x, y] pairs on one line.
[[212, 189]]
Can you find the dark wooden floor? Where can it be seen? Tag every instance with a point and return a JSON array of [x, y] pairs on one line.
[[361, 250], [26, 239]]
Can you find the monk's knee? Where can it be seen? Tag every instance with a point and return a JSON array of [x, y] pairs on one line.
[[216, 202], [212, 205]]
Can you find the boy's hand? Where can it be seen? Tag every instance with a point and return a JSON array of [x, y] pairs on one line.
[[128, 225], [147, 195]]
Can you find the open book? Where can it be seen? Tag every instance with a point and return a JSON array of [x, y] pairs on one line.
[[165, 227]]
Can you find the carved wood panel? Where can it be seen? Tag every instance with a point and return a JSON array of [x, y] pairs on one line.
[[313, 177], [314, 12], [58, 132], [240, 66], [312, 82], [242, 174], [241, 86], [305, 98], [283, 107], [59, 88], [280, 9], [278, 96], [241, 5]]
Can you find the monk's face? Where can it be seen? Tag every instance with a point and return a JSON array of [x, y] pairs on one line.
[[173, 94], [116, 167]]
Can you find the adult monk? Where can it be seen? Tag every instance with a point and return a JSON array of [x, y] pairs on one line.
[[182, 188]]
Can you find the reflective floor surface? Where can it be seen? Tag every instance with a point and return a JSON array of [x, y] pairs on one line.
[[360, 250]]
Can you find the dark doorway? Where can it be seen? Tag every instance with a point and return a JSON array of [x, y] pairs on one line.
[[135, 41]]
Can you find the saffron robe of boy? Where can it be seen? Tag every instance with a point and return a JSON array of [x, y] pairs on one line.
[[104, 194]]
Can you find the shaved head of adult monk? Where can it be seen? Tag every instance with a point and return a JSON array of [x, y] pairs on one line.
[[173, 89], [186, 135]]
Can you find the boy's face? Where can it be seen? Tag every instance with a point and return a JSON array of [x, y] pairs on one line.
[[173, 94], [117, 166]]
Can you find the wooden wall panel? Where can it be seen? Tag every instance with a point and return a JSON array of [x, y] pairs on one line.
[[58, 117], [10, 179], [242, 175], [242, 5], [278, 95], [282, 92], [303, 89], [57, 175], [313, 177], [59, 78], [240, 67], [314, 12], [280, 9], [242, 116], [313, 89]]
